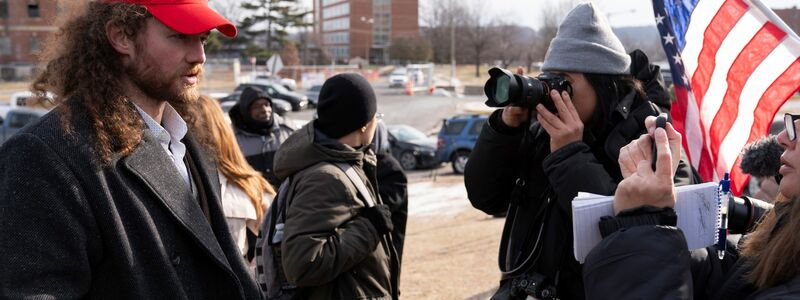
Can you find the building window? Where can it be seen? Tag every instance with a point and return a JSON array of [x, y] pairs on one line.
[[327, 2], [33, 8], [337, 38], [339, 52], [336, 11], [3, 9], [5, 45], [337, 24], [35, 45]]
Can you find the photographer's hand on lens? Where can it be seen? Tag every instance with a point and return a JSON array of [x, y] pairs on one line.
[[565, 127], [514, 116], [380, 216], [645, 187]]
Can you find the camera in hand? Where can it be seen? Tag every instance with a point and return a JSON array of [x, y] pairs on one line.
[[508, 89], [534, 285]]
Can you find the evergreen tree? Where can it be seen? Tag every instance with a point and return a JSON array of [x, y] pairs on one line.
[[272, 18]]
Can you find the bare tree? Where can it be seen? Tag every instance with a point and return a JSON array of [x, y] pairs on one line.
[[552, 15], [510, 43], [438, 19], [410, 49], [478, 34]]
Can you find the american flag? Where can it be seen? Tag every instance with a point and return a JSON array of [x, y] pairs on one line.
[[734, 63]]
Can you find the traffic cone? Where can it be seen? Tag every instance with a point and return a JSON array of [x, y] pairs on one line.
[[409, 88]]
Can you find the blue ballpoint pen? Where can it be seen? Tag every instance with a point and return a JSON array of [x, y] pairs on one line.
[[724, 199]]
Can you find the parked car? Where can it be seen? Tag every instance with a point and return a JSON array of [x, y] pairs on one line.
[[288, 83], [457, 138], [276, 91], [412, 148], [16, 119], [279, 106], [313, 95], [398, 78]]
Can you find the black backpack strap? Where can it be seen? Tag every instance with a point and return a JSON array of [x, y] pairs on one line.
[[353, 176]]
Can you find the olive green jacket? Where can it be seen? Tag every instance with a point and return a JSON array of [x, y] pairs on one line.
[[330, 252]]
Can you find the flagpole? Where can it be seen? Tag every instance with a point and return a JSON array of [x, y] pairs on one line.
[[774, 18]]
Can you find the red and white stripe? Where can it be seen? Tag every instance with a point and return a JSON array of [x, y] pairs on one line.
[[742, 66]]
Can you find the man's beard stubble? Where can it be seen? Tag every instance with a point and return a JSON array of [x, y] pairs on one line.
[[161, 86]]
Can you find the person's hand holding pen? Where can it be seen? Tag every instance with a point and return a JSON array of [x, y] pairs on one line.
[[642, 185]]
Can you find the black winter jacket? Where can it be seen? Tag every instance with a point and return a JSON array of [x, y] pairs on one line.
[[652, 262], [536, 188]]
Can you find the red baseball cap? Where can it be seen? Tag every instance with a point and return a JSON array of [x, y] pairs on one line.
[[186, 16]]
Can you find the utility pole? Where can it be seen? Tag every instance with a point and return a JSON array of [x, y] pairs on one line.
[[452, 43]]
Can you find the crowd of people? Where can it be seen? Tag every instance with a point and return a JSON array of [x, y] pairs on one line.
[[139, 188]]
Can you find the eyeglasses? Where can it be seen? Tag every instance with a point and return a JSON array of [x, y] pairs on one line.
[[379, 116], [788, 123]]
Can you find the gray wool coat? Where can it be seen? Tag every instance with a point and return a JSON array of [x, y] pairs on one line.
[[71, 228]]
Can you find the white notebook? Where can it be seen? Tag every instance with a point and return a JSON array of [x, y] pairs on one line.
[[697, 207]]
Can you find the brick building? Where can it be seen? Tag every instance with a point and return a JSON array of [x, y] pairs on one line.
[[363, 28], [24, 26]]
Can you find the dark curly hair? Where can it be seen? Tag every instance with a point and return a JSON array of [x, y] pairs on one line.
[[83, 71]]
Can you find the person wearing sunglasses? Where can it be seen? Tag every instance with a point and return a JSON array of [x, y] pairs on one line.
[[645, 256]]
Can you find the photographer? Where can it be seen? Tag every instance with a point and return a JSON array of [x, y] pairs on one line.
[[646, 256], [531, 162]]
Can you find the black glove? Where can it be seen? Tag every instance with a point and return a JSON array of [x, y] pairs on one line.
[[380, 217]]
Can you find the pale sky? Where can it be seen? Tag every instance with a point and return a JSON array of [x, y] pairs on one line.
[[620, 13]]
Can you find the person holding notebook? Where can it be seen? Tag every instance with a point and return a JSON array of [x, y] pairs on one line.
[[646, 257]]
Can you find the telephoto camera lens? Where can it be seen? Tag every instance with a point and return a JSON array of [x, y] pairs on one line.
[[508, 89]]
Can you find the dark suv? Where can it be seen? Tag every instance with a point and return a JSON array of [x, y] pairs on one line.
[[457, 138]]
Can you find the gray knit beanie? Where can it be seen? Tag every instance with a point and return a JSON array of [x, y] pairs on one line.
[[585, 43]]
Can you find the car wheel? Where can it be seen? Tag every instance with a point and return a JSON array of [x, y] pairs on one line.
[[408, 161], [460, 161]]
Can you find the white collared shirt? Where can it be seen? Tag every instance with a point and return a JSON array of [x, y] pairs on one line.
[[170, 136]]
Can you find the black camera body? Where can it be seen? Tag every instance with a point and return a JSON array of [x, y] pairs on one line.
[[533, 284], [508, 89]]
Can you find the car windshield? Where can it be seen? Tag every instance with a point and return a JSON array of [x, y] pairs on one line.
[[315, 88], [241, 87], [406, 133], [279, 88], [399, 72]]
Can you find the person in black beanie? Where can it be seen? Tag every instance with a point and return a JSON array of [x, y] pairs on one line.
[[336, 244], [259, 131]]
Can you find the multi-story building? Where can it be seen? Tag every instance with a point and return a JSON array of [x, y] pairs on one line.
[[363, 28], [24, 26]]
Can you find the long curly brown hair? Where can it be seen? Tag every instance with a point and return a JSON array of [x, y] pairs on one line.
[[83, 72]]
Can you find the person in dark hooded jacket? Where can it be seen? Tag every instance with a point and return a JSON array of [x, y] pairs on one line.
[[643, 255], [532, 163], [259, 131]]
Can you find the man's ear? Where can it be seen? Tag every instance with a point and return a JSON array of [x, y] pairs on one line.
[[119, 40]]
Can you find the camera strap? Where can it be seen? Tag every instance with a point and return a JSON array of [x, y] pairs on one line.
[[518, 195]]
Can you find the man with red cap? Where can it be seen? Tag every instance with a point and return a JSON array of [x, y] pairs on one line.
[[110, 195]]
